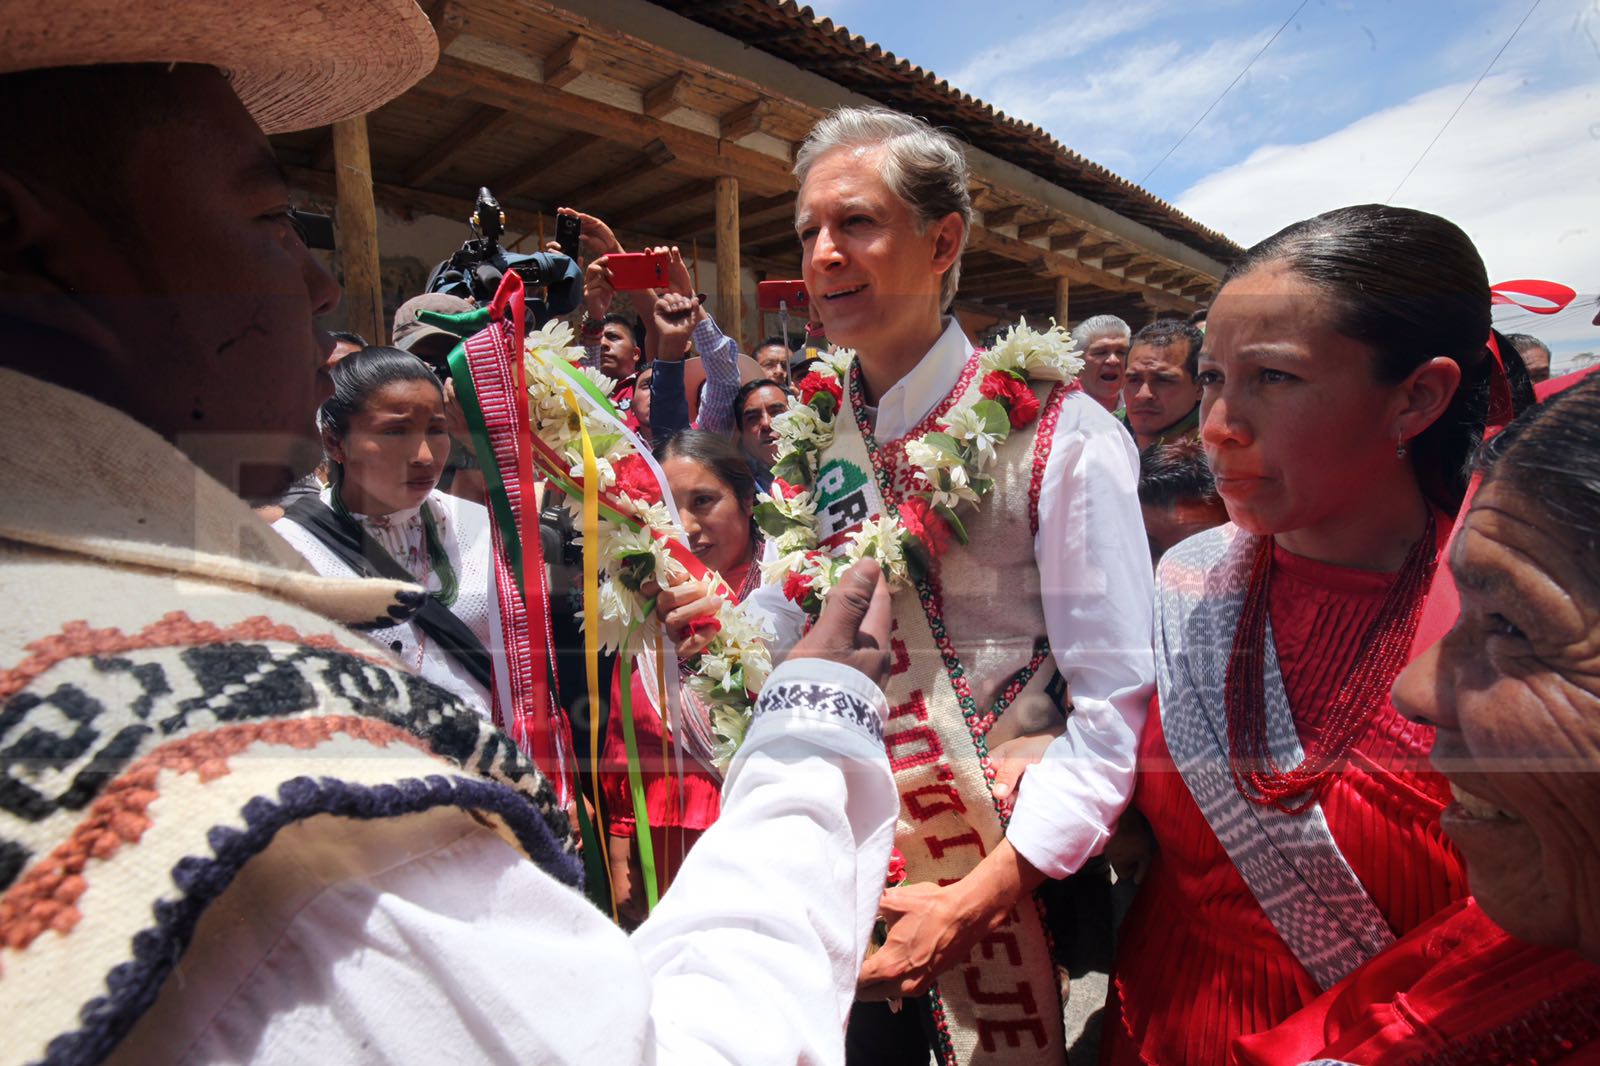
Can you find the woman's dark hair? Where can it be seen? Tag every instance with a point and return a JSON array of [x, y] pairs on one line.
[[1551, 455], [717, 454], [355, 378], [1412, 286]]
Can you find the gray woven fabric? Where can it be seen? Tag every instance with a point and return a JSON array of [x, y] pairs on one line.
[[1290, 862]]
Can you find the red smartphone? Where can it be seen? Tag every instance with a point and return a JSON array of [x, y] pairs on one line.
[[782, 295], [632, 271]]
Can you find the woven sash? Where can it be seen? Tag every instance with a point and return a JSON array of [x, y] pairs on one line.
[[1291, 863], [1003, 1004]]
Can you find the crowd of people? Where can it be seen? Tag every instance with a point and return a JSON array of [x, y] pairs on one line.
[[1285, 612]]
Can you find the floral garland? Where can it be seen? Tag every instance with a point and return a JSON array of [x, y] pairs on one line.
[[638, 541], [949, 467]]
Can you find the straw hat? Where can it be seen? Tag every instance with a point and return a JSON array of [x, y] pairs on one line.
[[295, 63]]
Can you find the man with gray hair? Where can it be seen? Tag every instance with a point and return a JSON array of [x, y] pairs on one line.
[[1103, 341], [1049, 589]]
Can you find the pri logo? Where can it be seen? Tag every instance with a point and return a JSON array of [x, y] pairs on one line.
[[841, 501]]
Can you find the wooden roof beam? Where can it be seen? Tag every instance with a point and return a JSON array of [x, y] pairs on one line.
[[1117, 262], [1003, 216], [448, 22], [698, 154], [668, 96], [686, 193], [746, 119], [984, 239], [519, 180], [656, 155], [565, 64], [1065, 242], [484, 123], [747, 208], [1033, 230]]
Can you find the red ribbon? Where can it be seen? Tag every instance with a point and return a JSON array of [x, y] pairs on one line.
[[1548, 296]]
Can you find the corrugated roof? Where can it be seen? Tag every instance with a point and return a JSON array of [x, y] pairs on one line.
[[794, 34]]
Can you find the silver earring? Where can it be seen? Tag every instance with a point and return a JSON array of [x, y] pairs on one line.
[[1400, 448]]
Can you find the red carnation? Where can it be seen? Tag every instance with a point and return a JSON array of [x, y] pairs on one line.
[[1013, 394], [636, 480], [897, 869], [814, 383], [709, 624], [783, 489], [918, 518], [797, 586]]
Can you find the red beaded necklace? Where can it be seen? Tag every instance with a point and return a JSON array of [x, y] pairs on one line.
[[1382, 653]]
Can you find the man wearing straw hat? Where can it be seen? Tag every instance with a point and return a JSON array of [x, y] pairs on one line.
[[230, 829]]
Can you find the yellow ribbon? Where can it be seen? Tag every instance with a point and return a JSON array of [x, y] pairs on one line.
[[591, 612]]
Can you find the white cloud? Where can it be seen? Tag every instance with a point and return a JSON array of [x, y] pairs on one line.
[[1518, 169], [1070, 34]]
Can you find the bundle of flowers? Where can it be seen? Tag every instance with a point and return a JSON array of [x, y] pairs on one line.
[[580, 443], [950, 465]]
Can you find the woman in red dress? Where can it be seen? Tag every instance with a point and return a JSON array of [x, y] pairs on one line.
[[715, 493], [1346, 382]]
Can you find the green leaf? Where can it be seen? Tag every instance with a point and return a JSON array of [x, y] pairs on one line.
[[949, 515], [945, 443], [824, 404], [794, 469], [773, 521], [996, 422], [634, 570]]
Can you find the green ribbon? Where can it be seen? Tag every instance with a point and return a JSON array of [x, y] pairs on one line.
[[641, 816]]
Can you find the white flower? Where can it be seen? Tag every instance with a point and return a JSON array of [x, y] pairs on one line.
[[608, 476], [880, 540], [965, 424], [600, 381], [924, 456], [796, 539], [838, 360], [800, 425], [618, 610], [1047, 356]]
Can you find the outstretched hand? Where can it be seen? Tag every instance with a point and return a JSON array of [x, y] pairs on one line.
[[594, 236], [853, 628]]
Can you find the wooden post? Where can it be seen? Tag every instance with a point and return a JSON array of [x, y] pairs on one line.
[[358, 230], [1062, 287], [730, 309]]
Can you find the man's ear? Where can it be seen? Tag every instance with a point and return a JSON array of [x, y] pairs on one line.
[[947, 234]]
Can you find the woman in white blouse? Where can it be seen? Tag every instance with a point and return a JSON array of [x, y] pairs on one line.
[[384, 435]]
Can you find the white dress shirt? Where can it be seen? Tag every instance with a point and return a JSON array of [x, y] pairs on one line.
[[1096, 580], [429, 939]]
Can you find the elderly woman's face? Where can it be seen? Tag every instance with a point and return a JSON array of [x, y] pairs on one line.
[[1515, 691]]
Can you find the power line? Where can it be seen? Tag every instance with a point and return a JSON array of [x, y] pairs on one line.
[[1146, 179], [1464, 100]]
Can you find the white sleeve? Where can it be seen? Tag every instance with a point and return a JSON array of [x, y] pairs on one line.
[[449, 944], [754, 953], [1095, 576]]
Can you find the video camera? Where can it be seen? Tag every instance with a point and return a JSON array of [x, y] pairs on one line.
[[475, 271]]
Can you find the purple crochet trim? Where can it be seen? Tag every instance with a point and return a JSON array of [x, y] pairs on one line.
[[134, 985]]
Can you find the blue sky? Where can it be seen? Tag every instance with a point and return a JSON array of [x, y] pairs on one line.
[[1334, 112]]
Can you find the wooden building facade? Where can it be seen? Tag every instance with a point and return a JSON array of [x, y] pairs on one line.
[[677, 122]]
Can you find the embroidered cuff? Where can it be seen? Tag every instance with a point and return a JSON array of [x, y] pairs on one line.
[[822, 691]]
